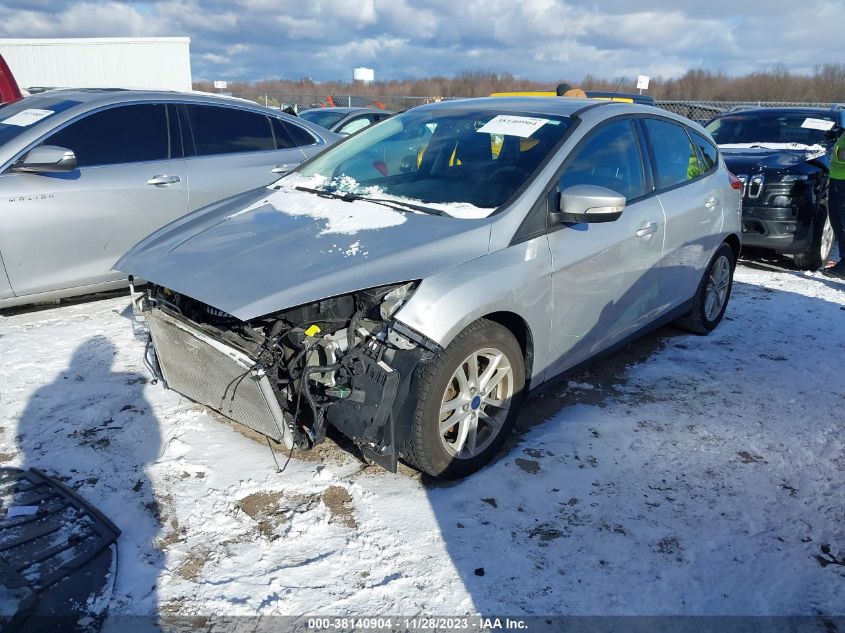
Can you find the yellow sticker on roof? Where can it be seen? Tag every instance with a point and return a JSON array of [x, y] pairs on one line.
[[507, 124]]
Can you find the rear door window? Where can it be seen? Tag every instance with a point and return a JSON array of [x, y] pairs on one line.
[[125, 134], [675, 158], [219, 130], [609, 158]]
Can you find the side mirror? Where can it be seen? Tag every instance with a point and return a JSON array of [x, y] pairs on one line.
[[46, 159], [589, 203], [840, 119]]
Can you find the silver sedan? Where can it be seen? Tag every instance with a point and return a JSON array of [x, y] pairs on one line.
[[411, 285], [85, 174]]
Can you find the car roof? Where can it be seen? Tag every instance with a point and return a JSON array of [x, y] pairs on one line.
[[559, 106], [106, 96]]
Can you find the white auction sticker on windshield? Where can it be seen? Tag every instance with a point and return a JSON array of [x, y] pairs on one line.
[[522, 126], [817, 124], [25, 118]]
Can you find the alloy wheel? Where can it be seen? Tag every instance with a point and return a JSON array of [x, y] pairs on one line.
[[718, 284], [475, 403], [827, 240]]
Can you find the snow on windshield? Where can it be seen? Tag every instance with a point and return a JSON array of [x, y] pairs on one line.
[[347, 184], [341, 217]]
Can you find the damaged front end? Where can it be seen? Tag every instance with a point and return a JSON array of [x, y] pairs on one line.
[[340, 361]]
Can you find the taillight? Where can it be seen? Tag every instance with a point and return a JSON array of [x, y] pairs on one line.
[[736, 183]]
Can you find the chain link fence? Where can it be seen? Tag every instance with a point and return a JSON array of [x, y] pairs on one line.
[[700, 111], [703, 111]]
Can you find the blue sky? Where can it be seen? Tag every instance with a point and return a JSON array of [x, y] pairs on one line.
[[547, 40]]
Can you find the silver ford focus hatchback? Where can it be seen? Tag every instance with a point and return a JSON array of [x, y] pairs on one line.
[[411, 285]]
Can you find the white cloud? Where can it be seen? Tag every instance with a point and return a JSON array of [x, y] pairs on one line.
[[541, 39]]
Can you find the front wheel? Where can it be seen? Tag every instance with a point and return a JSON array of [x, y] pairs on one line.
[[467, 400], [821, 243], [713, 293]]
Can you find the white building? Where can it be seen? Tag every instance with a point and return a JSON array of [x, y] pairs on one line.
[[114, 62]]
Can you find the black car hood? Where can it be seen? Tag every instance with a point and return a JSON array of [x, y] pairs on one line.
[[749, 160]]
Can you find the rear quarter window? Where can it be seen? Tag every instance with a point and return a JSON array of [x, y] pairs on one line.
[[708, 151], [299, 135]]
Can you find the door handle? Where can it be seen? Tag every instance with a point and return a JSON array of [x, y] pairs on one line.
[[284, 168], [162, 179], [711, 202], [647, 229]]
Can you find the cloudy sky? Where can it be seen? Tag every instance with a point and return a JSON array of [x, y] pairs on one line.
[[545, 40]]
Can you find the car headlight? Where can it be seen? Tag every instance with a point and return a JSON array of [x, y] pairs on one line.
[[394, 299]]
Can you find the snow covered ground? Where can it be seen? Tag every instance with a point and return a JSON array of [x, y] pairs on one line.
[[684, 475]]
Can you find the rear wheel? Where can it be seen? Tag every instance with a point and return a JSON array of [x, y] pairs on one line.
[[468, 398], [821, 243], [714, 292]]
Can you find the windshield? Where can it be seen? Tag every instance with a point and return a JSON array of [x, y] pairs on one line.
[[19, 116], [323, 118], [464, 162], [770, 127]]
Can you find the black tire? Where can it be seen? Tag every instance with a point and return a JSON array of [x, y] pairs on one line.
[[425, 449], [819, 249], [697, 320]]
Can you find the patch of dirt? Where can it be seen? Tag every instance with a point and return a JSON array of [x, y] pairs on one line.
[[261, 503], [171, 607], [270, 509], [545, 532], [670, 546], [336, 448], [339, 502], [537, 452], [750, 458], [158, 506], [528, 465], [175, 535], [7, 457], [191, 567]]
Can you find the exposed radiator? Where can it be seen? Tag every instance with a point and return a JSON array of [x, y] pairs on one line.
[[216, 375]]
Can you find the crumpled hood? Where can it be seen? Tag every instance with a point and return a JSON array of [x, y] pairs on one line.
[[750, 160], [263, 250]]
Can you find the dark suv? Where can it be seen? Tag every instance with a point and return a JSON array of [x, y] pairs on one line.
[[782, 156]]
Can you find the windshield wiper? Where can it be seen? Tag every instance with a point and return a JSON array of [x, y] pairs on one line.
[[393, 204]]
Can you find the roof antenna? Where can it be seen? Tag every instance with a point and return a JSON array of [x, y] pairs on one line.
[[621, 79]]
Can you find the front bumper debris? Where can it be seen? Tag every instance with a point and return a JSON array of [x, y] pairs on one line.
[[57, 555]]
